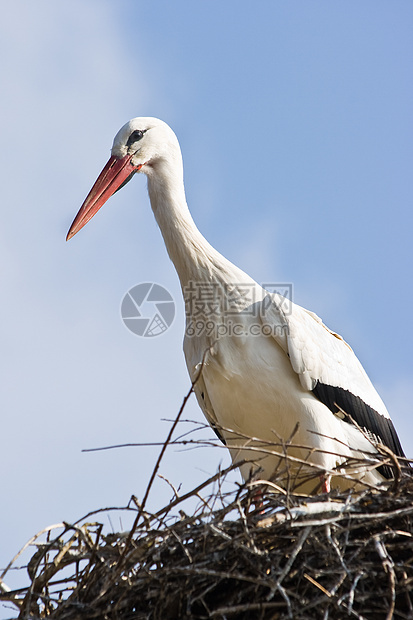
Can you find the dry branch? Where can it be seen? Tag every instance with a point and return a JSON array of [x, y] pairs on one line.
[[347, 555]]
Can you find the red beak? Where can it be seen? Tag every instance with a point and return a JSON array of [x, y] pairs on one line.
[[116, 173]]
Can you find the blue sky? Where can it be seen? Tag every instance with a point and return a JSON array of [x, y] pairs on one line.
[[296, 129]]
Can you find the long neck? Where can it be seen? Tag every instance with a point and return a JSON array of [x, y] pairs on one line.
[[194, 258]]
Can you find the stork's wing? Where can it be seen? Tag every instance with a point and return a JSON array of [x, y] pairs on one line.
[[327, 366]]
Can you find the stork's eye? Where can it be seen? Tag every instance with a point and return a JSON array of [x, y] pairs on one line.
[[135, 136]]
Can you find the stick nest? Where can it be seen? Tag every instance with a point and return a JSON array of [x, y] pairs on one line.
[[345, 555]]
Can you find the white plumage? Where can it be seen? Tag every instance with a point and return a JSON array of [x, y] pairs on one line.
[[268, 365]]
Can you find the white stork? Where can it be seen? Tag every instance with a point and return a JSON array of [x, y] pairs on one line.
[[268, 366]]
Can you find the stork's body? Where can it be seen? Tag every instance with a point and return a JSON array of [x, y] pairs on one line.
[[280, 369]]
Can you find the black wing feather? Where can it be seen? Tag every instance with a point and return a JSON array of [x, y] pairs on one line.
[[376, 425]]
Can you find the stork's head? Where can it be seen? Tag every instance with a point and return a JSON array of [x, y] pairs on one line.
[[144, 144]]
